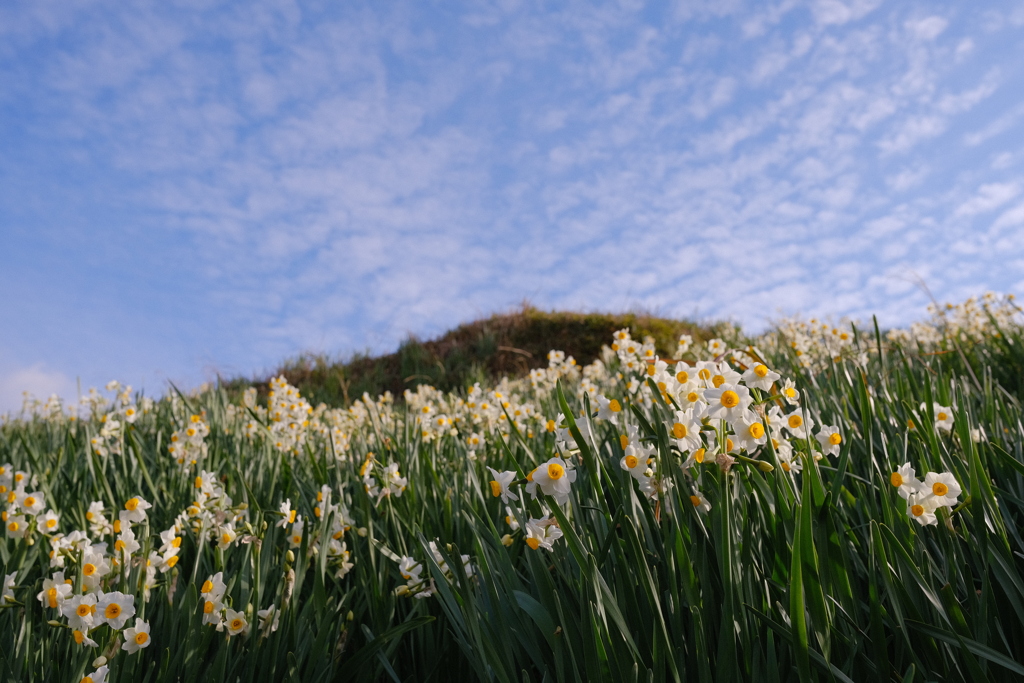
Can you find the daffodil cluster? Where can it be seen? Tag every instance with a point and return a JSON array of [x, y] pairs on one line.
[[420, 587], [923, 498]]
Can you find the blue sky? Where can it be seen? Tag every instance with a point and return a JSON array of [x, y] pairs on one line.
[[196, 187]]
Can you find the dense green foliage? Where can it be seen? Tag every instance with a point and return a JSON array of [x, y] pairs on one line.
[[820, 575]]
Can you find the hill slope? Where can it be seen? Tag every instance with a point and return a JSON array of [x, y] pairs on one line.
[[504, 344]]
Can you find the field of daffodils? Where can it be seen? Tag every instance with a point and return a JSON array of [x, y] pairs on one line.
[[825, 502]]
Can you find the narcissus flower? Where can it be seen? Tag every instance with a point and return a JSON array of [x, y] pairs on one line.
[[635, 460], [54, 592], [921, 509], [287, 513], [799, 423], [905, 481], [135, 508], [608, 409], [728, 402], [760, 377], [80, 611], [97, 676], [542, 533], [82, 638], [213, 588], [115, 609], [943, 416], [942, 487], [830, 439], [235, 622], [17, 526], [269, 619], [8, 589], [685, 431], [499, 485], [48, 523], [32, 503], [555, 479], [790, 392], [136, 637], [750, 433], [700, 502]]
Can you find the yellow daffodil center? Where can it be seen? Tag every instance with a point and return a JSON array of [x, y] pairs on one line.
[[761, 370], [51, 596], [550, 426], [623, 441], [650, 371], [83, 610], [695, 500], [730, 399], [237, 624], [692, 397], [756, 430], [835, 439], [296, 540], [682, 376], [679, 430], [795, 421], [119, 545], [13, 527], [896, 479], [940, 489], [225, 538], [529, 477], [728, 445], [495, 489], [789, 391], [785, 465], [30, 501], [172, 561], [704, 374], [89, 569], [699, 455], [631, 461], [113, 611], [208, 607], [199, 482], [79, 637], [555, 471], [141, 637], [117, 526], [533, 543], [917, 510], [51, 523], [87, 679], [176, 543], [941, 417], [207, 586], [614, 406], [131, 504], [718, 381]]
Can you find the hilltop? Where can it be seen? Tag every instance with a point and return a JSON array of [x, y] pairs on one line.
[[505, 344]]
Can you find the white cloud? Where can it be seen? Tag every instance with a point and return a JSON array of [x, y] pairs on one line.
[[37, 380], [987, 198], [927, 28]]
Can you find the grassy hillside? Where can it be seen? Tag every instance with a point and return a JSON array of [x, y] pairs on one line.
[[508, 344]]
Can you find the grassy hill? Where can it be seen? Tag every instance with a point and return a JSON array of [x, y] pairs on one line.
[[504, 344]]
